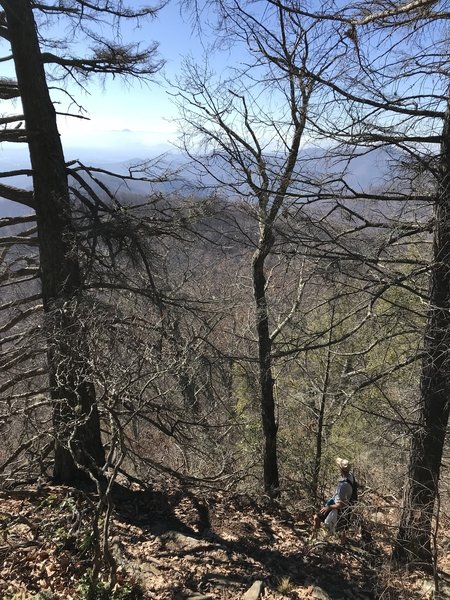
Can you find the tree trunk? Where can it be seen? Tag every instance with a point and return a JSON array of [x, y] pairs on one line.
[[322, 406], [414, 536], [75, 417], [270, 427]]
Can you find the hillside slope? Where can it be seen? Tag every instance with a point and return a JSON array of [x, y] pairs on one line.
[[177, 545]]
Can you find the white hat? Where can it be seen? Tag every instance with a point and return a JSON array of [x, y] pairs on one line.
[[343, 464]]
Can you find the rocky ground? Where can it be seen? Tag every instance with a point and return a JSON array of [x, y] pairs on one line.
[[180, 545]]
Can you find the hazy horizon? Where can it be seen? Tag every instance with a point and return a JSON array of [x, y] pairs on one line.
[[117, 157]]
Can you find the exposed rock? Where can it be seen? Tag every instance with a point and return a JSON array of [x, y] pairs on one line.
[[254, 591], [318, 593], [427, 588], [223, 582], [178, 541]]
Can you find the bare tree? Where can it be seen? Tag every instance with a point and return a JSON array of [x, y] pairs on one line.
[[246, 132], [394, 95], [75, 414]]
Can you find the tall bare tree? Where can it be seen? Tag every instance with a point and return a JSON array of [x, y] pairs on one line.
[[246, 131], [393, 94], [78, 447]]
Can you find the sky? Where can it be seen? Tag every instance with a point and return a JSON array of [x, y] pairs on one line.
[[131, 120], [135, 115], [126, 119]]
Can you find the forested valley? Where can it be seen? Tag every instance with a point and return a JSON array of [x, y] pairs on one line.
[[188, 344]]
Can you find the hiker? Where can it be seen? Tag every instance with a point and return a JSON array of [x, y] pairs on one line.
[[336, 512]]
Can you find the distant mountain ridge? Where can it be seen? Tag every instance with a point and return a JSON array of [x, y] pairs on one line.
[[366, 170]]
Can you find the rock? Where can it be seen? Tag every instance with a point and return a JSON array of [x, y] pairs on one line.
[[427, 588], [318, 593], [379, 517], [254, 591], [177, 541], [222, 581]]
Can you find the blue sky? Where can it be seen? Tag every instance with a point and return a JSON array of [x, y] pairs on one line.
[[127, 119], [134, 114], [132, 120]]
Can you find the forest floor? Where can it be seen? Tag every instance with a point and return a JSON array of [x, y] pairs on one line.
[[177, 545]]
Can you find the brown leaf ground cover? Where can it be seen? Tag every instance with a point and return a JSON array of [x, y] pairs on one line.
[[177, 545]]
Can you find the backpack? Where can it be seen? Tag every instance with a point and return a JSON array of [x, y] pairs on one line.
[[354, 484]]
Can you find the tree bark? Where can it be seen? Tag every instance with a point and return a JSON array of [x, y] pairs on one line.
[[270, 427], [414, 536], [75, 416]]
